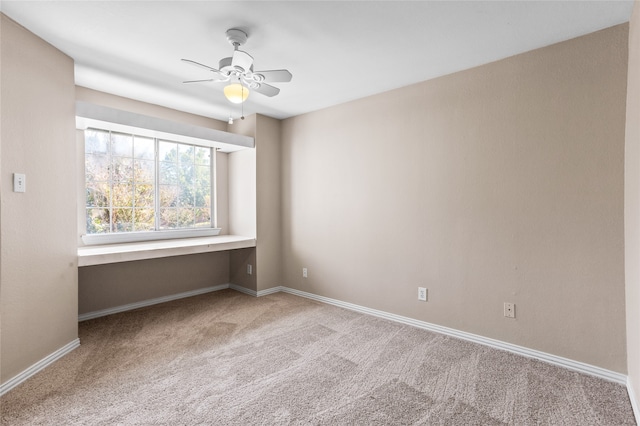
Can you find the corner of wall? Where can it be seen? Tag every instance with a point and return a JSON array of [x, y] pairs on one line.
[[632, 211]]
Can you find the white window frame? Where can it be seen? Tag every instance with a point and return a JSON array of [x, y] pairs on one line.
[[158, 234]]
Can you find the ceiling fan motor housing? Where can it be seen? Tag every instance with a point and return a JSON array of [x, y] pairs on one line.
[[236, 37], [226, 66]]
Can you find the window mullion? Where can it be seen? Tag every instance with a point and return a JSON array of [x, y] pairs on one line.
[[156, 185], [213, 205], [133, 184], [110, 159]]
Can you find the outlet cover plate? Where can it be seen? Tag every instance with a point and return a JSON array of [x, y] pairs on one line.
[[422, 294], [509, 310]]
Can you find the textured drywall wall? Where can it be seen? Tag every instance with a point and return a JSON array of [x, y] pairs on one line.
[[502, 183], [632, 207], [38, 278], [139, 107], [254, 203], [268, 203], [108, 286], [241, 169]]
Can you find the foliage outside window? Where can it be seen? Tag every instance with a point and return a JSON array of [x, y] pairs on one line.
[[136, 183]]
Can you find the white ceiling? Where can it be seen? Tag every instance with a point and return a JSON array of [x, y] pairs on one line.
[[337, 51]]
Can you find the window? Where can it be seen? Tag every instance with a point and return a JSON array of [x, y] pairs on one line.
[[140, 188]]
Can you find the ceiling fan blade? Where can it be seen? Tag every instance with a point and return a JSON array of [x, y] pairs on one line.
[[217, 74], [242, 60], [199, 81], [198, 64], [274, 76], [267, 90]]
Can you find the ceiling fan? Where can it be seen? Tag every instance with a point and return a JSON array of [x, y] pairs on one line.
[[238, 71]]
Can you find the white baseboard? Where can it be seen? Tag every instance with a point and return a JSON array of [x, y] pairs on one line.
[[270, 291], [149, 302], [634, 400], [497, 344], [38, 366], [256, 293], [243, 290]]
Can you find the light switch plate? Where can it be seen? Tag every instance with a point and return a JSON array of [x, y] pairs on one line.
[[19, 182]]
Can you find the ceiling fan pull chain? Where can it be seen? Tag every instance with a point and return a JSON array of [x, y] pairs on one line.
[[242, 106]]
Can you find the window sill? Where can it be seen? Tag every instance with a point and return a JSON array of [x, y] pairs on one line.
[[127, 252], [148, 236]]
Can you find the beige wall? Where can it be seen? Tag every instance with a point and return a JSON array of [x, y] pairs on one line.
[[255, 203], [126, 104], [502, 183], [632, 206], [238, 261], [112, 285], [241, 169], [268, 203], [38, 278], [222, 192]]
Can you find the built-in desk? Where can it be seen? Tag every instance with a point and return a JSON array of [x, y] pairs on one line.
[[126, 252]]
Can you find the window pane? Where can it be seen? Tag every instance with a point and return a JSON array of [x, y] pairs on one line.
[[168, 151], [122, 220], [97, 221], [143, 148], [187, 175], [186, 218], [122, 169], [144, 219], [203, 156], [168, 173], [186, 153], [185, 198], [96, 168], [97, 194], [169, 195], [144, 171], [96, 141], [122, 195], [203, 186], [121, 145], [168, 218], [203, 217], [143, 195]]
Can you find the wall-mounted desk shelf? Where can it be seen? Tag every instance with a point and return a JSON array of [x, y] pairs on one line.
[[114, 253]]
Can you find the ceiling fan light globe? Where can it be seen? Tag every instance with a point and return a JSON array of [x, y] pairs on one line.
[[236, 93]]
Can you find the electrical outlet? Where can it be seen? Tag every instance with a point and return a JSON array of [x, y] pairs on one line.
[[249, 269], [509, 310], [422, 294], [304, 272]]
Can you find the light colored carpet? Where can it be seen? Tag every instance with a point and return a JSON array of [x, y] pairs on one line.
[[226, 358]]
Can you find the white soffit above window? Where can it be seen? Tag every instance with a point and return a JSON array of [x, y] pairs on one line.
[[101, 117]]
